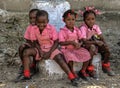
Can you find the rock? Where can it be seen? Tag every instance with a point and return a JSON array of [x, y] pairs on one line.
[[3, 13], [118, 43]]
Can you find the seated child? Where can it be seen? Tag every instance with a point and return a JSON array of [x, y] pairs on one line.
[[29, 42], [70, 41], [94, 42]]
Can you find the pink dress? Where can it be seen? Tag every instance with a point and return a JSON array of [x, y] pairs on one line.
[[29, 33], [87, 33], [46, 39], [70, 53]]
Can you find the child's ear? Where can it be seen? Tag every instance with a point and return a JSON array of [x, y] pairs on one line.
[[63, 19]]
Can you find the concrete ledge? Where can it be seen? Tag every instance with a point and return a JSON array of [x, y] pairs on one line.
[[51, 70]]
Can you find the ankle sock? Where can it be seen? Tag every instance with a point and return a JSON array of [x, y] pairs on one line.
[[27, 73], [106, 64], [71, 76], [91, 68]]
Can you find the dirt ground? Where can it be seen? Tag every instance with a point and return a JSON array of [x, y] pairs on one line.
[[11, 32]]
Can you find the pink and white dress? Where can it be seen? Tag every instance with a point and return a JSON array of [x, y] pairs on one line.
[[87, 33], [46, 39], [69, 51], [29, 33]]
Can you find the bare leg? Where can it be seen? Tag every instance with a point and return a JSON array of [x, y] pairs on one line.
[[60, 60], [92, 51], [26, 59], [85, 65], [70, 64], [62, 63], [21, 49], [104, 50], [105, 60]]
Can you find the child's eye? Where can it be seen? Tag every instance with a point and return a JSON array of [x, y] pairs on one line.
[[68, 19], [73, 19], [87, 19]]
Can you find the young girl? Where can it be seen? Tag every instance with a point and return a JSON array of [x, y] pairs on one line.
[[47, 43], [92, 37], [29, 41], [70, 41]]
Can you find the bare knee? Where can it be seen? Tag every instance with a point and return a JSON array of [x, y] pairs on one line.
[[26, 53], [21, 47], [93, 48]]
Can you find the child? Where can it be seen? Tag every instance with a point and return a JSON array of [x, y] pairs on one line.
[[55, 9], [29, 40], [47, 43], [92, 37], [70, 41]]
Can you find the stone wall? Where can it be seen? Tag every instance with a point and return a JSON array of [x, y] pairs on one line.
[[101, 4], [24, 5], [15, 5]]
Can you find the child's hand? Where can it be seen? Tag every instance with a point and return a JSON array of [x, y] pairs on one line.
[[99, 43], [46, 55], [76, 45], [41, 54]]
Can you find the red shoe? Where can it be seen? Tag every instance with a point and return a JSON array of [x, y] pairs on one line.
[[91, 71], [106, 69]]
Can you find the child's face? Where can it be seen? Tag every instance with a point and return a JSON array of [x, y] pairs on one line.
[[70, 21], [32, 17], [90, 20], [42, 22]]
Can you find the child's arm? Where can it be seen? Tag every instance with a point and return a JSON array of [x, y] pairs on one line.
[[102, 38], [67, 43], [86, 41], [76, 45], [37, 45], [29, 42]]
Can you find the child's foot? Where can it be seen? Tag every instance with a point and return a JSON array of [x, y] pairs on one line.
[[20, 74], [93, 74], [74, 82], [91, 71], [83, 75], [21, 78], [76, 76], [26, 78], [106, 69]]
